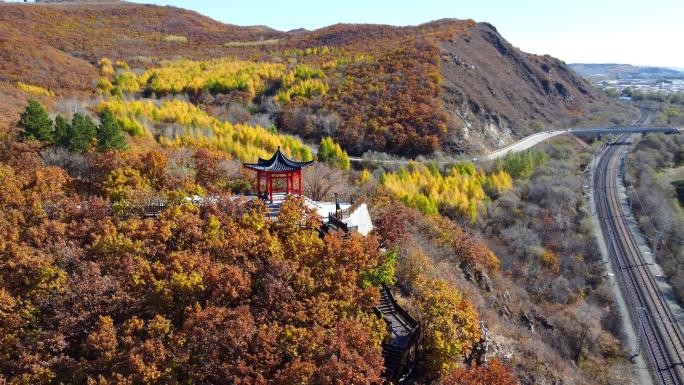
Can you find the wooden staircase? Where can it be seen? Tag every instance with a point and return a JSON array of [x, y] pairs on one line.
[[399, 350]]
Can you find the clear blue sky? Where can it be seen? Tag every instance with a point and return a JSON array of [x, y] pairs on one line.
[[646, 32]]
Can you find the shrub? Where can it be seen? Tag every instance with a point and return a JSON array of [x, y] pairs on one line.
[[254, 43], [176, 39], [36, 90], [493, 373], [76, 165]]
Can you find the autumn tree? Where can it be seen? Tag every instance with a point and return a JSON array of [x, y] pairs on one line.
[[126, 187], [384, 274], [176, 124], [211, 293], [521, 164], [321, 181], [449, 324], [35, 122], [109, 134], [457, 191], [330, 152], [493, 373]]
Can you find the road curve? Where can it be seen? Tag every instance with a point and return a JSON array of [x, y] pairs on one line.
[[661, 338], [525, 143], [532, 140]]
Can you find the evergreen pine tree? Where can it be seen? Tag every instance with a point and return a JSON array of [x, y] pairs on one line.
[[62, 132], [109, 133], [82, 133], [35, 122]]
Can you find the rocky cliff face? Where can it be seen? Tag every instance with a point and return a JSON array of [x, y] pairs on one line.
[[494, 92]]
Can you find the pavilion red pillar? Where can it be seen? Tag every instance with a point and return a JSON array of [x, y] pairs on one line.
[[299, 173], [288, 179], [259, 182], [270, 187]]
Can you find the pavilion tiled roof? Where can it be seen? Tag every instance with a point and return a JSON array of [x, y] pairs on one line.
[[278, 163]]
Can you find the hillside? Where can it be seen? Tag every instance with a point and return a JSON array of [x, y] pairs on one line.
[[494, 92], [123, 30], [452, 85], [135, 250]]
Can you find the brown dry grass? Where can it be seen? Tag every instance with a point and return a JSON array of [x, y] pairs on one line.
[[26, 59], [123, 30]]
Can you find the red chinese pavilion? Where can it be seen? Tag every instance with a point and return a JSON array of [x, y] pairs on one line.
[[279, 167]]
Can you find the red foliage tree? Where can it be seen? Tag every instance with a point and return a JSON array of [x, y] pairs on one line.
[[211, 293], [494, 373]]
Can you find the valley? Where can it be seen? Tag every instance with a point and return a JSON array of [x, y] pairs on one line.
[[186, 201]]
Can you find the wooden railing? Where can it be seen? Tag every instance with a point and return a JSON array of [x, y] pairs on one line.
[[356, 202], [336, 222]]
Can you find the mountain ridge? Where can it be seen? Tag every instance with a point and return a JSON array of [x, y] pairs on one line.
[[617, 70], [487, 93]]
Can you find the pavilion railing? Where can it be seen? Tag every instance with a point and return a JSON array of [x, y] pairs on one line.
[[334, 221], [356, 202]]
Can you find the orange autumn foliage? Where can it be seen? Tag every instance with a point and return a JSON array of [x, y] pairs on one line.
[[211, 293], [472, 251], [493, 373]]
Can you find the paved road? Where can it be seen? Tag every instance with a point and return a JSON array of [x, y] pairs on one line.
[[532, 140], [662, 341]]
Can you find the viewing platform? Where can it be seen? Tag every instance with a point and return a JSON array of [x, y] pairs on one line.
[[339, 216], [348, 216]]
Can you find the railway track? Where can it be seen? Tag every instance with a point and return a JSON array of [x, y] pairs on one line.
[[660, 337]]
